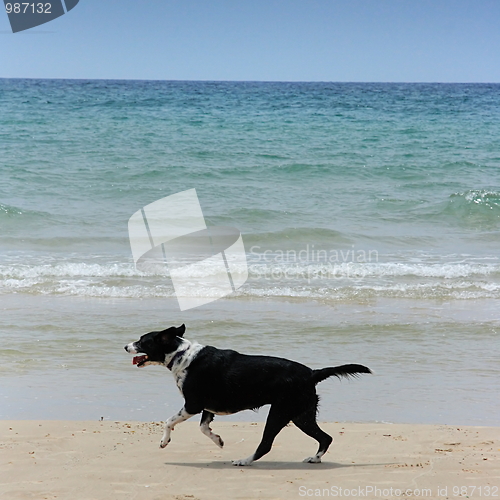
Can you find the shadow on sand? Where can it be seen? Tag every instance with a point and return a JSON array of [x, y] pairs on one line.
[[271, 465]]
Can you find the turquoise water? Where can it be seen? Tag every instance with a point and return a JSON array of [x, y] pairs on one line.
[[370, 215]]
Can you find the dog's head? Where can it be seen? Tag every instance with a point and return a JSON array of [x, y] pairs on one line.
[[154, 346]]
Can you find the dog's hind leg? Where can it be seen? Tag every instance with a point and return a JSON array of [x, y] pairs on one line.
[[306, 422], [206, 418], [179, 417], [277, 419]]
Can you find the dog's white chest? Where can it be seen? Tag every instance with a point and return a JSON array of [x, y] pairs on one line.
[[179, 370]]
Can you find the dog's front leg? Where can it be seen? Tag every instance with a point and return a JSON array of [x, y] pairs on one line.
[[171, 423]]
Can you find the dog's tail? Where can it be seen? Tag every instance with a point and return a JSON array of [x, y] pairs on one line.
[[346, 371]]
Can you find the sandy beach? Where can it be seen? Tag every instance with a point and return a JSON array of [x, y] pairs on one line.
[[121, 460]]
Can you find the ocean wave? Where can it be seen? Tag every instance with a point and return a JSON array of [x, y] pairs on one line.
[[460, 291], [489, 199], [70, 270], [462, 280], [450, 270], [478, 206], [7, 210], [376, 270], [456, 291], [12, 211]]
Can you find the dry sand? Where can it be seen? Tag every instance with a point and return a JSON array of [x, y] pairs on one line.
[[118, 460]]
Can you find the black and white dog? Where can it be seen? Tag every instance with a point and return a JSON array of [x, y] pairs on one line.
[[221, 382]]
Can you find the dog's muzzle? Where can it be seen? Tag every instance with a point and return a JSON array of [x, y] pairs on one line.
[[138, 360], [130, 348]]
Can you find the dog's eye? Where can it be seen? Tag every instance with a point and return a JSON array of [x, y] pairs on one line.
[[146, 345]]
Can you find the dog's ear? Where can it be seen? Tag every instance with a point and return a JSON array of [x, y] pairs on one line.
[[180, 331], [167, 334]]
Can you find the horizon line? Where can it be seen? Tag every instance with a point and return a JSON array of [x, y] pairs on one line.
[[180, 80]]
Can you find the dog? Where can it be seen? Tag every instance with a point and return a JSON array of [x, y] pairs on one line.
[[222, 382]]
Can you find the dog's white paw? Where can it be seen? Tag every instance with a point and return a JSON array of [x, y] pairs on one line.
[[218, 441], [163, 442], [243, 461], [312, 460]]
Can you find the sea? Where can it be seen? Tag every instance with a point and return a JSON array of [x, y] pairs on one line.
[[369, 215]]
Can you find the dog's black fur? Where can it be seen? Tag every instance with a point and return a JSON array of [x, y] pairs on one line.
[[215, 381]]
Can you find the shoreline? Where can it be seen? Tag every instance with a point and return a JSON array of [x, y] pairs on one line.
[[433, 363], [121, 459]]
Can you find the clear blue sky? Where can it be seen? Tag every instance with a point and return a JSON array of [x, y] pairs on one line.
[[277, 40]]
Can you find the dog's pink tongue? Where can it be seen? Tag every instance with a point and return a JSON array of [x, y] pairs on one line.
[[138, 359]]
